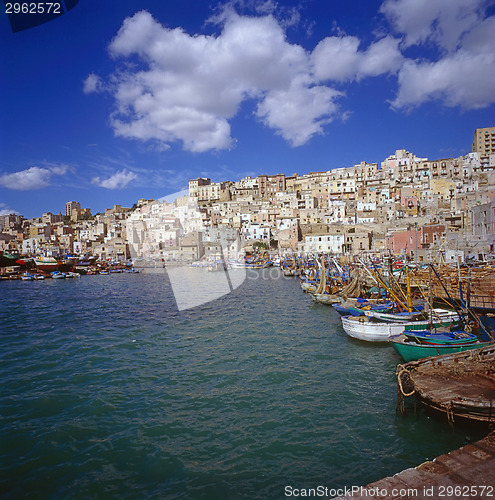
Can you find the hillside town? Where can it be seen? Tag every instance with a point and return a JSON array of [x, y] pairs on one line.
[[415, 207]]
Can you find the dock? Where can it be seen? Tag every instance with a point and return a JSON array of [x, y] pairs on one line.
[[468, 472]]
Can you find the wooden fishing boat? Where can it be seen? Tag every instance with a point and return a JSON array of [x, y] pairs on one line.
[[348, 310], [57, 275], [459, 387], [323, 294], [289, 267], [411, 350], [48, 263], [309, 286], [441, 337], [369, 329], [391, 316], [327, 298], [358, 306]]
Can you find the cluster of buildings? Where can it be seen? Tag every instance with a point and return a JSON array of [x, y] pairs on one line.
[[404, 205]]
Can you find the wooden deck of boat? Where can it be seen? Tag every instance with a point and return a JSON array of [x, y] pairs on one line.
[[468, 472], [458, 386]]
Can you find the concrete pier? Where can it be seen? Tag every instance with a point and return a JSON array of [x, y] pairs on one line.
[[468, 473]]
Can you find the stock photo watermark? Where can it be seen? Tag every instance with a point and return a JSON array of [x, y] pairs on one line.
[[203, 263]]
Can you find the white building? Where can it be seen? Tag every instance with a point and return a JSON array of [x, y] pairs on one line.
[[329, 243]]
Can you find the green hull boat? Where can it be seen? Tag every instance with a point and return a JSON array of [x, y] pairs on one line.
[[412, 351]]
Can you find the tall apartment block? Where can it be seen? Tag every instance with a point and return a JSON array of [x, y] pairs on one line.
[[484, 141], [71, 207]]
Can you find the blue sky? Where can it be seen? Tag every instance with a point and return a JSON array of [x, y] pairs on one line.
[[116, 101]]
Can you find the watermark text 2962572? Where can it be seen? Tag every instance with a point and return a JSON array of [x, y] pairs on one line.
[[27, 14], [33, 8]]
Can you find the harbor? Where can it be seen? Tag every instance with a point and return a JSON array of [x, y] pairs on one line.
[[247, 250], [186, 405], [177, 405]]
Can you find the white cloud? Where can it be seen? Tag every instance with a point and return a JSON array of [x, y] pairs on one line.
[[281, 110], [93, 84], [173, 87], [443, 22], [449, 80], [5, 210], [339, 58], [193, 85], [119, 180], [32, 178], [463, 78]]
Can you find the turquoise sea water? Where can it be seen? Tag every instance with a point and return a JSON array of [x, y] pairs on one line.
[[108, 391]]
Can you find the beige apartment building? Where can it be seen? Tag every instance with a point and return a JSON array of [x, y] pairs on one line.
[[484, 141]]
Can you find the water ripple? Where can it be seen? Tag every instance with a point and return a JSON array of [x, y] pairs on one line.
[[109, 391]]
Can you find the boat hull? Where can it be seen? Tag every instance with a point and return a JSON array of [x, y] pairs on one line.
[[327, 298], [453, 386], [412, 351], [362, 328]]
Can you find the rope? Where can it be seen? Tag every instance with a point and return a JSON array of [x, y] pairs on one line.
[[399, 381], [450, 413]]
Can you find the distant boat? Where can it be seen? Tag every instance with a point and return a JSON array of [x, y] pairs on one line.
[[219, 265], [8, 259], [47, 263], [57, 275], [27, 277]]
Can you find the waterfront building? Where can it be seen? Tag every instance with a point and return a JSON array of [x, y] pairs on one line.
[[483, 224], [406, 242], [327, 243]]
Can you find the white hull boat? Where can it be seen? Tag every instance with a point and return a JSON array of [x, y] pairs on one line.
[[366, 328], [437, 315]]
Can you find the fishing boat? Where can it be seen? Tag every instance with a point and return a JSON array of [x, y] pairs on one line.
[[412, 350], [435, 313], [323, 293], [27, 277], [289, 267], [348, 310], [47, 263], [56, 275], [394, 316], [219, 265], [71, 274], [8, 259], [441, 337], [458, 387], [359, 306], [327, 298], [369, 329]]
